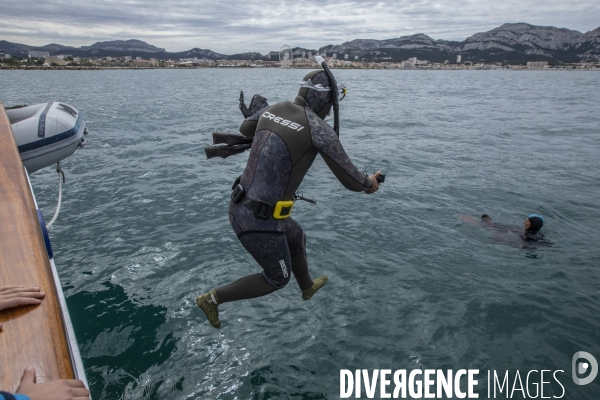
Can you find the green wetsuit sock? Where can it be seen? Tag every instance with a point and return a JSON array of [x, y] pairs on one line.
[[317, 284], [247, 287], [300, 271], [209, 303]]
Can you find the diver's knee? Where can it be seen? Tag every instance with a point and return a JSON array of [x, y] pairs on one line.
[[279, 281], [283, 283]]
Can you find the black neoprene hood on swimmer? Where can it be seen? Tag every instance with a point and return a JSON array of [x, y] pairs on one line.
[[318, 101], [536, 224]]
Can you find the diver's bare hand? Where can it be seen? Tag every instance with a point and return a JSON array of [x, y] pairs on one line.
[[374, 185], [14, 296], [62, 389]]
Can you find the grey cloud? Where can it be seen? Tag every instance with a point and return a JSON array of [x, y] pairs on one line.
[[231, 27]]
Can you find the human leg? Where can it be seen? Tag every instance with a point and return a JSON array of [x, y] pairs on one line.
[[271, 251], [297, 244]]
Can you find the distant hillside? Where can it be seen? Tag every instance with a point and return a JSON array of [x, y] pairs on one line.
[[515, 43], [528, 41], [124, 46], [512, 43]]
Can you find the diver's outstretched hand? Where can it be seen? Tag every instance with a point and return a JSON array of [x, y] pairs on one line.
[[375, 184]]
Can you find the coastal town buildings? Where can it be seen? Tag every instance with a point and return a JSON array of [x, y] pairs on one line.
[[38, 60], [537, 64]]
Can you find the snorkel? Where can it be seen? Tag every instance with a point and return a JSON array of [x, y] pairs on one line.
[[336, 95]]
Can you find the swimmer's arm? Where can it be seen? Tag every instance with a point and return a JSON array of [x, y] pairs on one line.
[[347, 173], [470, 219], [330, 148], [492, 226]]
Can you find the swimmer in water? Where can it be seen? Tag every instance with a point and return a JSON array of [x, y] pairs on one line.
[[533, 223]]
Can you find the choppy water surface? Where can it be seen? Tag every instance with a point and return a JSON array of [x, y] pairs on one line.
[[144, 229]]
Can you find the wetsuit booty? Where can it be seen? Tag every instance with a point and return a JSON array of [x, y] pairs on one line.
[[317, 284], [209, 303]]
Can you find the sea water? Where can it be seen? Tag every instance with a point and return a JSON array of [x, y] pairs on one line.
[[143, 230]]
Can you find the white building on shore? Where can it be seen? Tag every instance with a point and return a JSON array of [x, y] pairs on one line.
[[38, 54], [537, 64]]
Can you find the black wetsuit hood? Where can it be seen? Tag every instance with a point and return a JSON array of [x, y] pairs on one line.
[[319, 102], [535, 223]]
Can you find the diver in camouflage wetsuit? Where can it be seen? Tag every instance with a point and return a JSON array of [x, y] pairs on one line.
[[287, 138]]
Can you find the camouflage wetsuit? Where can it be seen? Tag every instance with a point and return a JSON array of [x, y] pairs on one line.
[[287, 138]]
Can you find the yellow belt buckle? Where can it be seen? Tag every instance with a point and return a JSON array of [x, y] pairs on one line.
[[283, 206]]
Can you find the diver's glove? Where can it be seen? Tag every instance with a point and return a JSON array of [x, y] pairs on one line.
[[256, 104]]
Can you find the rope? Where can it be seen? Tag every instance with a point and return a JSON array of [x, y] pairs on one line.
[[61, 174]]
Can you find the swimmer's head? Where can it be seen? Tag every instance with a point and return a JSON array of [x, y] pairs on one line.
[[315, 89], [534, 223], [486, 218]]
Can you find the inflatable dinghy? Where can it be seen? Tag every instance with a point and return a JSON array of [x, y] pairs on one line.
[[46, 133]]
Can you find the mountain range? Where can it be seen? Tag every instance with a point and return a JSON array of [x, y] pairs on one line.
[[511, 43]]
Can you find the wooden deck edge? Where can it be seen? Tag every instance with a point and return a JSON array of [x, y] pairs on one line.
[[32, 335]]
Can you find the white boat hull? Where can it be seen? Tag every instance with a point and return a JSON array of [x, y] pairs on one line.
[[46, 133]]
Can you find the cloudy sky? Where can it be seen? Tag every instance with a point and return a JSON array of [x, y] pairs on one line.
[[228, 26]]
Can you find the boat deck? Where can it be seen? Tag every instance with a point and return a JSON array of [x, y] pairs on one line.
[[32, 335]]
